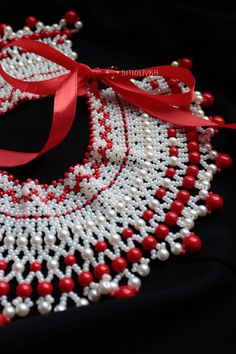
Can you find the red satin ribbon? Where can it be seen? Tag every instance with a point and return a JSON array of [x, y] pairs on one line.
[[75, 83]]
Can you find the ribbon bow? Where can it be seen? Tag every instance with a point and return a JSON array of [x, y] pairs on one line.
[[76, 82]]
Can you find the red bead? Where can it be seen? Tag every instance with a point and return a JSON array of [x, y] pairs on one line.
[[188, 182], [170, 172], [134, 255], [194, 157], [24, 290], [183, 196], [148, 215], [208, 99], [173, 151], [162, 231], [2, 320], [4, 287], [193, 146], [3, 265], [154, 84], [160, 193], [101, 246], [31, 21], [192, 170], [173, 82], [177, 206], [66, 284], [60, 41], [186, 63], [71, 17], [192, 135], [218, 119], [85, 278], [171, 132], [100, 270], [127, 233], [70, 260], [192, 243], [35, 267], [66, 32], [149, 243], [44, 288], [119, 264], [223, 161], [125, 292], [46, 34], [171, 218], [36, 36], [214, 202]]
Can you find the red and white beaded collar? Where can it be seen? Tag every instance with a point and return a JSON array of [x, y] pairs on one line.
[[135, 197]]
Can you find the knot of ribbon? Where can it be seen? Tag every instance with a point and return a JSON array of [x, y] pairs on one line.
[[76, 82]]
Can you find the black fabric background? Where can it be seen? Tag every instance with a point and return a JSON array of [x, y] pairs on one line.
[[188, 303]]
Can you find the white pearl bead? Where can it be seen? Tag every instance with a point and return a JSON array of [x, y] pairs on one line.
[[63, 234], [166, 182], [9, 240], [120, 206], [101, 219], [77, 228], [111, 213], [173, 160], [194, 214], [149, 155], [133, 191], [127, 199], [44, 307], [212, 168], [177, 248], [94, 295], [9, 311], [138, 181], [114, 239], [154, 204], [87, 254], [22, 241], [143, 270], [52, 264], [163, 254], [84, 302], [213, 154], [104, 287], [189, 223], [18, 267], [202, 210], [175, 63], [184, 232], [135, 282], [22, 310], [36, 241], [90, 224], [203, 194], [139, 223], [78, 24], [145, 116], [50, 239], [173, 141]]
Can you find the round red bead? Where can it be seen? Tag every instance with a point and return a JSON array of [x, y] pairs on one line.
[[127, 233], [218, 119], [192, 170], [66, 32], [171, 218], [149, 243], [194, 157], [160, 193], [71, 17], [173, 82], [4, 287], [119, 264], [170, 172], [101, 246], [24, 290], [162, 231], [183, 195], [214, 202], [223, 161], [134, 255], [3, 265], [188, 182], [31, 21], [173, 151], [100, 270], [192, 135], [192, 243], [44, 288], [70, 260], [171, 132], [85, 278], [193, 146], [125, 291], [66, 284], [148, 215], [35, 267], [208, 99], [177, 206], [186, 63]]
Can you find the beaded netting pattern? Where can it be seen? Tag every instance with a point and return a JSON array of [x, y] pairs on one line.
[[135, 197]]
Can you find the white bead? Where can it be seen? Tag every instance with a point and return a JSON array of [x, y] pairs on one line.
[[101, 219], [90, 224], [111, 213], [114, 239], [163, 254], [138, 181], [184, 232], [139, 224], [135, 282], [189, 223], [144, 116], [36, 241], [44, 307], [18, 267], [149, 155], [22, 241], [212, 168], [78, 24], [94, 295], [175, 63], [173, 141], [166, 182], [177, 248], [203, 193], [104, 287], [119, 206], [77, 228], [154, 204], [133, 191], [63, 234], [143, 270], [9, 240], [194, 214], [213, 154], [173, 160], [87, 253], [202, 210], [9, 311], [50, 239], [52, 264], [22, 310], [84, 302]]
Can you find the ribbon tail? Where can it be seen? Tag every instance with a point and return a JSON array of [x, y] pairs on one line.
[[63, 117]]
